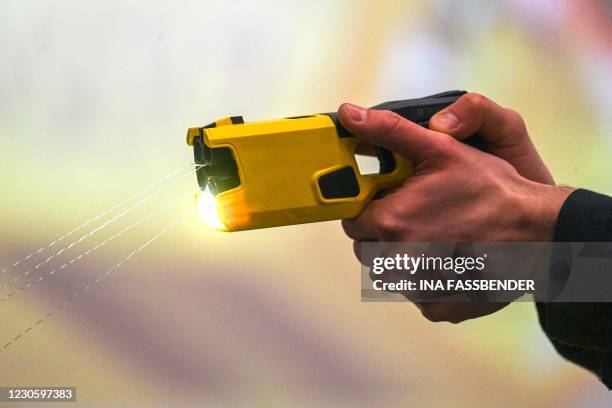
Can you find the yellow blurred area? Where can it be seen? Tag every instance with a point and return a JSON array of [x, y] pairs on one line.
[[96, 99]]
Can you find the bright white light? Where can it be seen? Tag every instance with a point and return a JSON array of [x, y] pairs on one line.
[[207, 206]]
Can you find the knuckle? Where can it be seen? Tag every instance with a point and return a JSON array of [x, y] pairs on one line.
[[445, 142], [455, 319], [348, 227], [389, 121], [436, 312], [386, 223], [444, 145], [477, 100], [515, 121], [432, 313]]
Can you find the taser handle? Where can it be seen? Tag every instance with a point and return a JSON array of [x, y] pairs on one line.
[[420, 111]]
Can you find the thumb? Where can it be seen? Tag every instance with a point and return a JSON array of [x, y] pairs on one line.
[[474, 113], [503, 129], [389, 130]]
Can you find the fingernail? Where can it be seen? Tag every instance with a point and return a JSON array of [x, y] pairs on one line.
[[447, 120], [356, 113]]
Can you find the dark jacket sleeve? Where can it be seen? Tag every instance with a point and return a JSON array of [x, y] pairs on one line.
[[582, 332]]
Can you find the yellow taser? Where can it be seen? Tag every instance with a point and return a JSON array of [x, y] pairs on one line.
[[294, 170]]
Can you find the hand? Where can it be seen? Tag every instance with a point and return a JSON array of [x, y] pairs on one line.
[[503, 130], [457, 194]]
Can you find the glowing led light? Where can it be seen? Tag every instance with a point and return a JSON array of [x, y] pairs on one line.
[[207, 206]]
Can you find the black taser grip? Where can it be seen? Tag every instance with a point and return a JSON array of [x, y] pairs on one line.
[[418, 110]]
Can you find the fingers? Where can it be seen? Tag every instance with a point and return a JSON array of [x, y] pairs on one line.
[[474, 113], [457, 312], [389, 130], [503, 129], [357, 249], [362, 227], [378, 221]]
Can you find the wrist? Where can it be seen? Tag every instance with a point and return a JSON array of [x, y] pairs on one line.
[[544, 203]]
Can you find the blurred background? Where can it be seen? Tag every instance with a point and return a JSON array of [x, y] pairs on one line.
[[95, 101]]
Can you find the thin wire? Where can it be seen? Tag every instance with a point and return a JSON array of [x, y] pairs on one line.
[[94, 248], [99, 279], [101, 227], [94, 219]]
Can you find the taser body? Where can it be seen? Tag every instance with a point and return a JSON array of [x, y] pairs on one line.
[[292, 170]]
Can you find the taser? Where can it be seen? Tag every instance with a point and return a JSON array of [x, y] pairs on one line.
[[294, 170]]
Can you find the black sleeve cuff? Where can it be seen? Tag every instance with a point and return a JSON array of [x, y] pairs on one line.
[[582, 332], [585, 217]]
